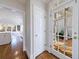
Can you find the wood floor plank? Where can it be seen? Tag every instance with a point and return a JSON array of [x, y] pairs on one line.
[[46, 55], [14, 50]]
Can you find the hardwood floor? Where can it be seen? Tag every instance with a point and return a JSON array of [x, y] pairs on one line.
[[14, 50], [46, 55]]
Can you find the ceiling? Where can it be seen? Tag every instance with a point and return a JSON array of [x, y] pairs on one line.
[[17, 4], [8, 16], [12, 11], [21, 1], [13, 4], [46, 1]]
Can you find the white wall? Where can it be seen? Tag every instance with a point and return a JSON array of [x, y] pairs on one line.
[[48, 27], [27, 45], [12, 11], [9, 17], [75, 29]]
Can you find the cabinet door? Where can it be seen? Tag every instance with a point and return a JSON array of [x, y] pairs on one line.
[[39, 30]]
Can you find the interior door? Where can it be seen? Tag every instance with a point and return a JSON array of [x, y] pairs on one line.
[[39, 30]]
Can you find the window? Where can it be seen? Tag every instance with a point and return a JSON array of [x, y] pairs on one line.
[[18, 28]]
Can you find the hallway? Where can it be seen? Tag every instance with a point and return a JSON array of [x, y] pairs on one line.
[[39, 29], [14, 50]]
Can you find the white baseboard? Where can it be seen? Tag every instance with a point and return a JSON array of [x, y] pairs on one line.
[[27, 52], [35, 55], [60, 55]]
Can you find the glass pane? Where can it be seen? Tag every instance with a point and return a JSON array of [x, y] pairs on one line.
[[18, 28], [8, 28], [59, 15], [2, 28], [14, 28], [68, 41], [59, 31], [61, 35], [56, 37], [54, 43]]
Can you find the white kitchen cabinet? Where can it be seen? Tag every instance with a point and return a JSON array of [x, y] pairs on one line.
[[5, 38]]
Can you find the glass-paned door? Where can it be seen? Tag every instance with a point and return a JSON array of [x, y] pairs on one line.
[[62, 31]]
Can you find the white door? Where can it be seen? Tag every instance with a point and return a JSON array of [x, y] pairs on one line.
[[39, 30]]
